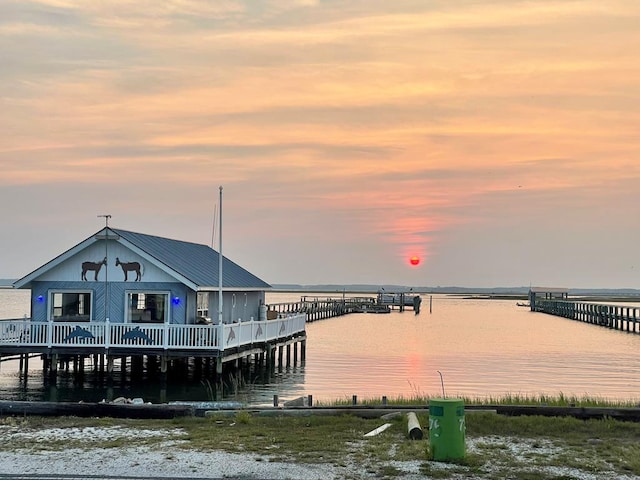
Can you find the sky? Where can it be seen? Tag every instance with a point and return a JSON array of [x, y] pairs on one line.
[[497, 141]]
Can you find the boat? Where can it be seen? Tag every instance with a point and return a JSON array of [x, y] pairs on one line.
[[372, 308], [375, 308]]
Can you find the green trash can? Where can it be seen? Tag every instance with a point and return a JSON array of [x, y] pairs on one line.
[[446, 429]]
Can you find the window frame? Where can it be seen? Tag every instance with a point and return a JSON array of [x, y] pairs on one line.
[[128, 317], [51, 317]]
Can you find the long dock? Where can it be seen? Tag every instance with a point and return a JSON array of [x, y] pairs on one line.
[[617, 317], [320, 308]]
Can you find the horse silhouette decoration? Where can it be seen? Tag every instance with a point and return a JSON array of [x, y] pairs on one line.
[[130, 267], [92, 266]]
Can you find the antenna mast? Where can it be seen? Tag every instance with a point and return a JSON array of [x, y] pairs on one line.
[[220, 263], [213, 229], [106, 267]]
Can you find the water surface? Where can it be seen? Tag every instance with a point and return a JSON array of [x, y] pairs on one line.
[[482, 348]]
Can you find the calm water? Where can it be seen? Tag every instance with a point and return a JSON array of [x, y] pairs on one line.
[[481, 347]]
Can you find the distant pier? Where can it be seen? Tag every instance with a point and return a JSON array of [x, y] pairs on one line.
[[556, 302], [320, 307]]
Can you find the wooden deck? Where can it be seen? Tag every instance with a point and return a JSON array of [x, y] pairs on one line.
[[224, 343], [320, 308], [624, 318], [22, 336]]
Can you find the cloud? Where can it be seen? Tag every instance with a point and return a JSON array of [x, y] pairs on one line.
[[366, 128]]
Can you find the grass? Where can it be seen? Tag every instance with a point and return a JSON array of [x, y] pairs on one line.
[[498, 447], [560, 400]]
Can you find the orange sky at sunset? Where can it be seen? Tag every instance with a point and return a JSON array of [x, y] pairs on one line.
[[495, 140]]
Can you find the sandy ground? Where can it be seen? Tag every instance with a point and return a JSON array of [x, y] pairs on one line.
[[165, 459], [142, 462], [40, 455]]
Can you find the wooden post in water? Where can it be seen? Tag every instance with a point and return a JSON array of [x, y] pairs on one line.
[[271, 357], [54, 365]]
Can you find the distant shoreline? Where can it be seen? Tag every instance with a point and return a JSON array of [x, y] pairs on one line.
[[476, 293], [479, 292]]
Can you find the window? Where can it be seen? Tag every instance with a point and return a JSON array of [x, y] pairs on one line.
[[147, 307], [71, 306], [202, 299]]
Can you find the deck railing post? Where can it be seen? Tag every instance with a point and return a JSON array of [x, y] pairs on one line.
[[50, 334], [107, 334], [220, 336], [165, 336]]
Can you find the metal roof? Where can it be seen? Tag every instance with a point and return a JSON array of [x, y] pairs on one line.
[[193, 264], [196, 262]]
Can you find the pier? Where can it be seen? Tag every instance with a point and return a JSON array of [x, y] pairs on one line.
[[60, 344], [320, 308], [401, 300], [611, 316], [556, 302]]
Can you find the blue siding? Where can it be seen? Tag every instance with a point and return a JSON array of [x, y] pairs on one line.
[[116, 306]]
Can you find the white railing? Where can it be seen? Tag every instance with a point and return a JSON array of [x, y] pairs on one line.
[[24, 333]]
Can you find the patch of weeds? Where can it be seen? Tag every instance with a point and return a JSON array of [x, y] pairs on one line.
[[591, 463], [623, 456], [534, 475], [434, 473], [442, 470], [243, 417], [388, 471]]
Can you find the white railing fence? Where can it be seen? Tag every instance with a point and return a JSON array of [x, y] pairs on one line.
[[24, 333]]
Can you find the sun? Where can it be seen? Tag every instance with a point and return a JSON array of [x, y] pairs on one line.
[[415, 260]]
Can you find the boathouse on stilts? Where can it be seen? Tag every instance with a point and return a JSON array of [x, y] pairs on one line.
[[120, 295]]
